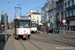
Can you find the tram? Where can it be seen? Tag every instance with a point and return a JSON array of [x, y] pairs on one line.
[[34, 27], [22, 27]]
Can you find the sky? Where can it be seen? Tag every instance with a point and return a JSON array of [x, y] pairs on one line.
[[8, 6]]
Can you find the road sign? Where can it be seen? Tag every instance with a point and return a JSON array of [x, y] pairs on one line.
[[64, 21]]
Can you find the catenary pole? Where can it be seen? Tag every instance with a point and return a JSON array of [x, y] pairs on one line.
[[5, 27], [53, 14]]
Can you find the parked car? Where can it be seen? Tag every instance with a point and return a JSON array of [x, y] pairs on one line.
[[3, 28], [51, 30], [56, 30]]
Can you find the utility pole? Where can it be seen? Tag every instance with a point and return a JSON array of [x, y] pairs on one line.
[[53, 14], [5, 27], [2, 13], [60, 21]]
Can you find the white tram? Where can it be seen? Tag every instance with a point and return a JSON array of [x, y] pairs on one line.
[[34, 27], [22, 27]]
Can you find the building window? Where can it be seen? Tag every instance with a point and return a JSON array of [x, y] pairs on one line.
[[65, 5], [37, 17], [37, 21], [68, 3], [33, 16], [65, 13], [57, 5], [69, 13], [73, 12], [72, 2]]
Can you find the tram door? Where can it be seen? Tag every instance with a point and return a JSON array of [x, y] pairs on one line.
[[16, 25]]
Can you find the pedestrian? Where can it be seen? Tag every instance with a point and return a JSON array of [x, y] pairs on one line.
[[47, 30]]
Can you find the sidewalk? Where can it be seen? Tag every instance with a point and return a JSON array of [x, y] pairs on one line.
[[67, 33], [41, 32], [9, 45]]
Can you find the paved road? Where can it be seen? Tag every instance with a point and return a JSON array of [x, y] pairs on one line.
[[45, 42], [40, 42]]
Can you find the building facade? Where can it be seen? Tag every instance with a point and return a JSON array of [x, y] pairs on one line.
[[48, 14], [51, 14], [65, 9], [44, 14], [69, 14], [30, 12], [59, 13], [35, 16]]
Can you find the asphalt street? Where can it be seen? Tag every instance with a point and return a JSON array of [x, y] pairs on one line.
[[45, 42]]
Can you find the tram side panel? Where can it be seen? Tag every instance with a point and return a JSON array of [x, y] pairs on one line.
[[34, 29]]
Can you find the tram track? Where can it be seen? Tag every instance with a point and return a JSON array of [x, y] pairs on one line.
[[35, 45], [24, 46]]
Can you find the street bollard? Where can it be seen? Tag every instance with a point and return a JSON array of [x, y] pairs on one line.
[[64, 32]]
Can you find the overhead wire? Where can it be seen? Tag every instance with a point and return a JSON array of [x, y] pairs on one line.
[[19, 1], [39, 7], [24, 2]]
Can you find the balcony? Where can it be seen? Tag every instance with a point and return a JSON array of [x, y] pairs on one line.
[[71, 7], [70, 17]]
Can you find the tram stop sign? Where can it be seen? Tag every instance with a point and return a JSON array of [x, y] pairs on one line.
[[64, 21]]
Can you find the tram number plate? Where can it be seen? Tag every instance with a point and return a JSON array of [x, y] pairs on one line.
[[24, 36]]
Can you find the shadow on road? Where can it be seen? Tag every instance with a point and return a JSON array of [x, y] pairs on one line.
[[2, 41], [48, 39]]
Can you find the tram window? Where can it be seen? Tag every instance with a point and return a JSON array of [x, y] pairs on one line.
[[17, 25], [34, 25], [26, 24], [21, 24]]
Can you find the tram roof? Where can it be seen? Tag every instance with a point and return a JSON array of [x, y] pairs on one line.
[[22, 18]]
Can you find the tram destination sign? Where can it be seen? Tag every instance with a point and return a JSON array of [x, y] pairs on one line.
[[33, 22], [24, 17]]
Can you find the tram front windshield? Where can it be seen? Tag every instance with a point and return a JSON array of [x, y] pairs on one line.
[[34, 25], [23, 24]]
